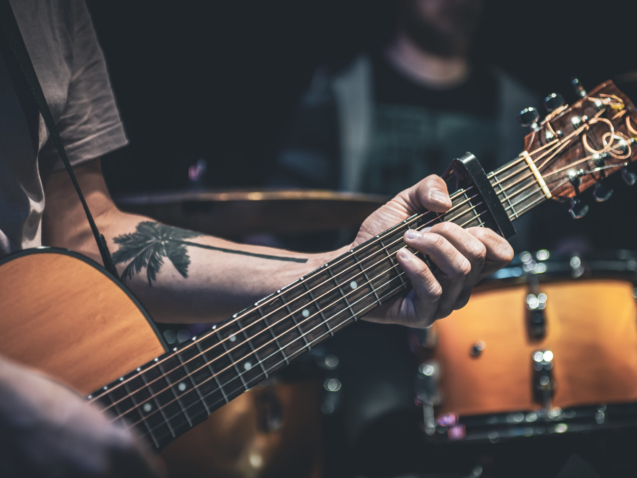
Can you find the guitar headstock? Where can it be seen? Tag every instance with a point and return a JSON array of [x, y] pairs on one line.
[[575, 147]]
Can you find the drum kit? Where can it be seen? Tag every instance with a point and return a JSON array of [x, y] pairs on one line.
[[546, 346]]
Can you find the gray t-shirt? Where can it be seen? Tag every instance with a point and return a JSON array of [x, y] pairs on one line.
[[63, 47]]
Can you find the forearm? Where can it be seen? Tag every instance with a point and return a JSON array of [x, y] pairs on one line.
[[187, 277], [179, 276]]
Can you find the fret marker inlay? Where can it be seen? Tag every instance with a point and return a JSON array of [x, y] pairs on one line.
[[353, 284]]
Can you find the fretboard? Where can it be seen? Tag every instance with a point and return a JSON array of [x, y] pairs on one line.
[[168, 396]]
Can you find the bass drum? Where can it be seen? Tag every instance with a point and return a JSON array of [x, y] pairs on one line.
[[546, 345]]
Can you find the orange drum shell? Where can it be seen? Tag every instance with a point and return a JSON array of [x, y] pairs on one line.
[[591, 330]]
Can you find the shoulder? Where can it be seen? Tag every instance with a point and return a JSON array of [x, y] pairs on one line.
[[327, 77]]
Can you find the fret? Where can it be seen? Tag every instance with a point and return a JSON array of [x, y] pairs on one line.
[[125, 407], [325, 321], [200, 350], [272, 334], [191, 369], [392, 259], [329, 299], [506, 196], [367, 278], [135, 415], [252, 347], [150, 408], [355, 292], [261, 349], [343, 295], [319, 295], [232, 339], [178, 401], [288, 332], [238, 362], [181, 380], [473, 210], [296, 323]]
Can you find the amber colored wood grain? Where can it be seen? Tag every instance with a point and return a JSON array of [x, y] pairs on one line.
[[64, 317], [231, 444], [592, 332]]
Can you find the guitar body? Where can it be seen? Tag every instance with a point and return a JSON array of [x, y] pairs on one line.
[[65, 315]]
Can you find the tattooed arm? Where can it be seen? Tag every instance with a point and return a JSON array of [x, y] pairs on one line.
[[183, 276], [179, 275]]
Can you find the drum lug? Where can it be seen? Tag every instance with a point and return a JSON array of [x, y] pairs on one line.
[[535, 318], [543, 381], [428, 393]]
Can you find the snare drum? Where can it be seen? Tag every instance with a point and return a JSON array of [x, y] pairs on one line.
[[546, 345]]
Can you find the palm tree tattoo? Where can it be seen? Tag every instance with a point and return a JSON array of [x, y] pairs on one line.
[[151, 242]]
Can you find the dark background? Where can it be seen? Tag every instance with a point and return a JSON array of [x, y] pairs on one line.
[[217, 80]]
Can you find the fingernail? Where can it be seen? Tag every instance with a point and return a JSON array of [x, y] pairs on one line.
[[440, 197], [412, 234], [426, 229], [404, 254]]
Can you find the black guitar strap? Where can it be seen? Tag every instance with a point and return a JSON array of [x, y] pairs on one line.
[[14, 38]]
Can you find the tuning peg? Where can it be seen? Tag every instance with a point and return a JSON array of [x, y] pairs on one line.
[[629, 177], [528, 117], [553, 101], [602, 192], [578, 209], [579, 89]]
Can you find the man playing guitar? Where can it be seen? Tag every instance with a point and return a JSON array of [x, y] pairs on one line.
[[46, 429]]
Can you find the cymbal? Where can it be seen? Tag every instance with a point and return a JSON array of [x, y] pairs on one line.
[[234, 213]]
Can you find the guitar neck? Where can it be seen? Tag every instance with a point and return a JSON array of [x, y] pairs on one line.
[[175, 392]]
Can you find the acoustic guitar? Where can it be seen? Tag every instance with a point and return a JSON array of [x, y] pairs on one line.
[[65, 315]]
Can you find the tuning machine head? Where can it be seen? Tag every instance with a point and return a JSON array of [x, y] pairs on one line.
[[602, 192], [579, 89], [629, 177], [553, 101], [529, 117], [578, 209]]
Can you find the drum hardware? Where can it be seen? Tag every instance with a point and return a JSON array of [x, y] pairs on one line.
[[543, 381], [332, 386], [576, 267], [536, 320], [477, 348], [426, 338], [428, 393], [564, 388]]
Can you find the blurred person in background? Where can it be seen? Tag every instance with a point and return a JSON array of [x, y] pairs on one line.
[[382, 122]]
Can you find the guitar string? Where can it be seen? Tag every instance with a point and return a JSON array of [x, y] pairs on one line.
[[240, 374], [151, 430], [282, 319], [227, 352], [292, 356], [260, 361], [217, 329], [237, 317], [511, 207], [498, 181]]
